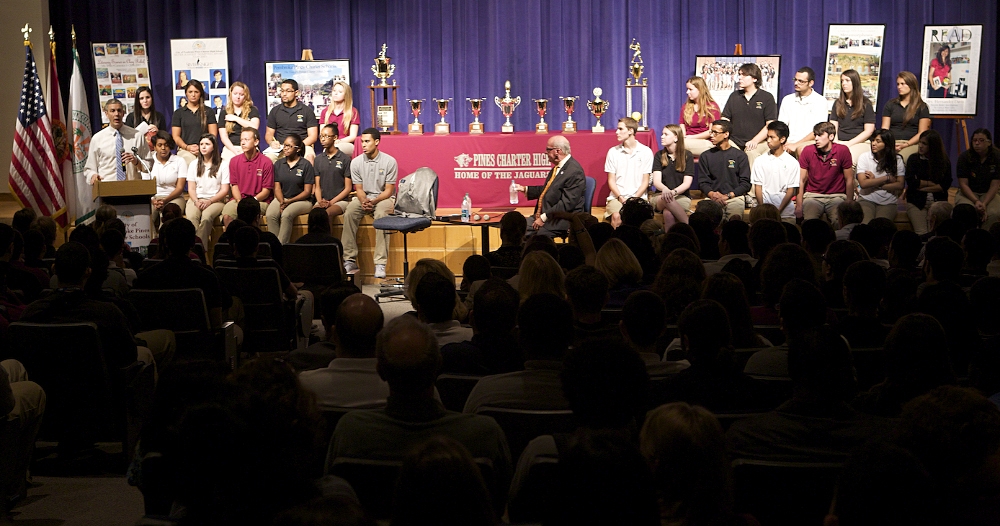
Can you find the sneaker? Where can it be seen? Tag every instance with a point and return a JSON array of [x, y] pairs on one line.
[[351, 267], [380, 271]]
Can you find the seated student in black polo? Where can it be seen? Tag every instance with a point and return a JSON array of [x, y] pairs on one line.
[[750, 109], [291, 116], [978, 180]]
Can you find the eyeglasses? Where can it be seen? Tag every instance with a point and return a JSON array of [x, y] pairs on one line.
[[288, 146], [800, 81], [551, 148], [713, 132]]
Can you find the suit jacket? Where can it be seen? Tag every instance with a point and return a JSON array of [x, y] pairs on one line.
[[566, 194]]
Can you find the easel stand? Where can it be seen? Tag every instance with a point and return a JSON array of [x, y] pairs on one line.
[[961, 130]]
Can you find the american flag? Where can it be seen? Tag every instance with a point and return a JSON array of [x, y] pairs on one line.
[[35, 177]]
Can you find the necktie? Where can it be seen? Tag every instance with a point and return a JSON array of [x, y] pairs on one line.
[[119, 150], [541, 197]]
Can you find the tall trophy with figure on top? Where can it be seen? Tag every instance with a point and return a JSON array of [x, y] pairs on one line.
[[507, 105], [384, 110], [416, 105], [569, 104], [637, 82], [540, 106], [476, 127], [598, 107]]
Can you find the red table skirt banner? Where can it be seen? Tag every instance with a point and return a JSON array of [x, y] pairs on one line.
[[483, 165]]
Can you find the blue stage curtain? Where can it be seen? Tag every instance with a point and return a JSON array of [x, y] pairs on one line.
[[546, 48]]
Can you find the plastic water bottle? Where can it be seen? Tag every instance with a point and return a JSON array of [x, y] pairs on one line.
[[466, 208], [513, 192]]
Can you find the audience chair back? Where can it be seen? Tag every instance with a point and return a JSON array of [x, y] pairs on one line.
[[67, 361], [184, 312], [321, 264], [269, 325], [224, 251], [536, 497], [454, 389], [524, 425], [777, 492]]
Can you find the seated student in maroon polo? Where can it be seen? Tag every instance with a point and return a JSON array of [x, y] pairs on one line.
[[250, 174], [827, 172]]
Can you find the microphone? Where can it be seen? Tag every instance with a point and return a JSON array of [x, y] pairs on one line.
[[135, 151]]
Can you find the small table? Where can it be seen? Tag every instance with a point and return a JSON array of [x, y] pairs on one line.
[[495, 215]]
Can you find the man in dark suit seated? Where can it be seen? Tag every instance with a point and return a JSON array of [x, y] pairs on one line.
[[408, 359], [816, 425], [564, 190]]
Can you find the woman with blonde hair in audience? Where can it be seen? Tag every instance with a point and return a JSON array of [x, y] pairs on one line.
[[686, 451], [344, 115], [673, 171], [622, 269], [853, 115], [422, 268], [697, 115], [907, 116], [208, 186], [191, 121], [540, 272], [238, 113]]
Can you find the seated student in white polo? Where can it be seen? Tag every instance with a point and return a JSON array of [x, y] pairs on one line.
[[775, 175], [629, 165], [802, 110]]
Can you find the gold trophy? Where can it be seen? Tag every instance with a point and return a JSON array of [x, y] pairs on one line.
[[598, 107], [637, 82], [442, 128], [540, 106], [507, 105], [383, 69], [416, 128], [476, 127], [569, 125]]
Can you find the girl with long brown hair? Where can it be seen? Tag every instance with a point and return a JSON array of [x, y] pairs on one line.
[[192, 121], [907, 116]]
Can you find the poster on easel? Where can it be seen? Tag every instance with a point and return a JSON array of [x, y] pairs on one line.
[[205, 60], [858, 47], [314, 77], [122, 68], [949, 78]]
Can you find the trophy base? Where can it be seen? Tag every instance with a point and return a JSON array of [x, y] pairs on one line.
[[416, 128], [476, 128], [569, 127], [643, 128], [597, 129], [507, 128], [541, 127], [442, 128]]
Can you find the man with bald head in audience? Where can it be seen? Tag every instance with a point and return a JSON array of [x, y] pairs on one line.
[[408, 359], [351, 379]]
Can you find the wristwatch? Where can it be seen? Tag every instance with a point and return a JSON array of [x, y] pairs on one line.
[[731, 195]]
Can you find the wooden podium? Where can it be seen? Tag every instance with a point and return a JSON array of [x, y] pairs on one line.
[[132, 200]]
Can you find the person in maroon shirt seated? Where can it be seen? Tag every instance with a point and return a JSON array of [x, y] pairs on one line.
[[827, 176], [250, 175]]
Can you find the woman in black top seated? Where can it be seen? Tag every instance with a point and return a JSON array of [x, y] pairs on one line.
[[928, 177], [673, 171]]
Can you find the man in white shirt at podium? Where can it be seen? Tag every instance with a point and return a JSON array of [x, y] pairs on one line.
[[111, 157]]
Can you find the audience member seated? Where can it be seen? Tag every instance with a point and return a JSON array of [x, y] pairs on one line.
[[949, 305], [350, 380], [341, 509], [621, 269], [427, 266], [734, 243], [765, 234], [686, 451], [319, 354], [882, 483], [512, 229], [839, 255], [178, 271], [713, 380], [955, 433], [728, 290], [587, 292], [679, 281], [112, 242], [251, 216], [939, 212], [785, 263], [70, 304], [539, 273], [816, 237], [16, 278], [864, 286], [18, 258], [850, 214], [493, 348], [708, 239], [34, 251], [22, 405], [643, 322], [545, 323], [440, 483], [48, 227], [318, 231], [408, 359], [802, 307], [916, 356], [101, 280], [641, 247], [816, 425], [607, 388], [475, 268], [903, 252], [434, 300], [978, 247]]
